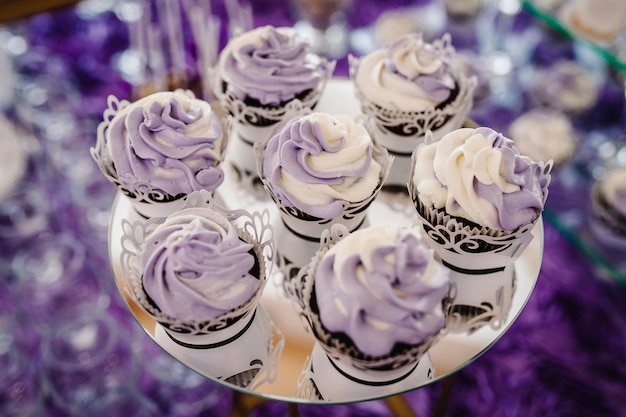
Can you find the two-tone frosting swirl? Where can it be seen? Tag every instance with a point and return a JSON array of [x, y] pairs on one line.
[[169, 140], [319, 161], [268, 64], [407, 75], [195, 266], [478, 174], [381, 286]]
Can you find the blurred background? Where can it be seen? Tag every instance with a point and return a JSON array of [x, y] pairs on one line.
[[70, 347]]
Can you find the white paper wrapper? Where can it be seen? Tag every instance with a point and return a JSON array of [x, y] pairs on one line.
[[482, 267], [253, 228], [147, 200], [245, 354], [326, 378], [400, 132]]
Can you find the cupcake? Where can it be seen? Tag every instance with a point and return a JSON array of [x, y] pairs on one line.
[[263, 77], [161, 148], [608, 209], [596, 20], [478, 200], [544, 135], [200, 277], [319, 169], [408, 87], [565, 86], [375, 301]]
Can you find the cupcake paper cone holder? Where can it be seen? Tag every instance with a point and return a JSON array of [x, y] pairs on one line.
[[147, 200]]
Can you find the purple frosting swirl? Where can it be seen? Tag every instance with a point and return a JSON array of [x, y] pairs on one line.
[[269, 64], [195, 266], [381, 286], [169, 140], [317, 162]]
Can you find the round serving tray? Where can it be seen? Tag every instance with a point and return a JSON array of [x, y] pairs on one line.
[[291, 346]]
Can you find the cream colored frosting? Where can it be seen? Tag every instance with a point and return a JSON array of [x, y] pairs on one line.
[[399, 88]]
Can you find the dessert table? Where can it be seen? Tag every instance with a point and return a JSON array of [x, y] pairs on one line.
[[69, 345]]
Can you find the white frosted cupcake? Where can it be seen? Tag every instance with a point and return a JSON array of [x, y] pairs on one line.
[[544, 135], [161, 148], [321, 170], [375, 301], [478, 200], [263, 77], [409, 87], [597, 20], [565, 86]]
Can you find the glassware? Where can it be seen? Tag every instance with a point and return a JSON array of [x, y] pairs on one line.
[[178, 390], [84, 354], [52, 275], [120, 401]]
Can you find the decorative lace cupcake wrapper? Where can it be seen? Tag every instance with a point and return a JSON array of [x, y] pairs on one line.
[[148, 200], [253, 228], [400, 131], [324, 378], [480, 300], [456, 239], [338, 346]]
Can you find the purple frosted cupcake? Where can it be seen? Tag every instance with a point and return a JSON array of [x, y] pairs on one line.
[[375, 301], [263, 77], [320, 169], [199, 273], [478, 200], [196, 268], [161, 148]]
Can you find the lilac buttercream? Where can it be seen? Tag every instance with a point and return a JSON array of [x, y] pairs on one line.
[[168, 140], [479, 175], [318, 162], [195, 266], [271, 65], [381, 286]]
